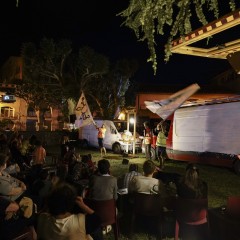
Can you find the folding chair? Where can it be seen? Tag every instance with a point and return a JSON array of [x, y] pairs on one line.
[[148, 206], [106, 210], [191, 214], [233, 206]]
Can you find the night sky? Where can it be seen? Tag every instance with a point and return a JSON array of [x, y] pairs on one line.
[[94, 23]]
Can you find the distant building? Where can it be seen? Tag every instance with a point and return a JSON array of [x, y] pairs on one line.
[[23, 116]]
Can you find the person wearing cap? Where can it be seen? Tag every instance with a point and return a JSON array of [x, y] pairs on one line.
[[191, 186]]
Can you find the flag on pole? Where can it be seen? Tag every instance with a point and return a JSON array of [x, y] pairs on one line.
[[83, 113], [164, 108]]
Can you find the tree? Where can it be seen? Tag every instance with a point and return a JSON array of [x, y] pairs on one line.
[[104, 85], [117, 85], [43, 81], [53, 75], [151, 18], [86, 73]]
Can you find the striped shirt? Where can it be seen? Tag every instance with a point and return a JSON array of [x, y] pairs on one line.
[[128, 178]]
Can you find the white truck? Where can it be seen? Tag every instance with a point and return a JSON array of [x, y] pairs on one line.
[[207, 132], [113, 140]]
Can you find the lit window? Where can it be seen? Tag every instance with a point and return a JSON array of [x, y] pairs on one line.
[[7, 112]]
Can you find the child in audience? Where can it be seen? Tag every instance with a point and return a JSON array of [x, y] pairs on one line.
[[61, 223]]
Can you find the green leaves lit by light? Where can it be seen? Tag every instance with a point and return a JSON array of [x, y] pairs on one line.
[[149, 18]]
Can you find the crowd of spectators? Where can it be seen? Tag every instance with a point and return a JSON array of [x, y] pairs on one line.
[[60, 195]]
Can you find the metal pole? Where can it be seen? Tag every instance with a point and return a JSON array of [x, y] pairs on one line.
[[127, 130], [134, 132]]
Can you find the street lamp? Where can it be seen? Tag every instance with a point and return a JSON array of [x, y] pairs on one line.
[[133, 121]]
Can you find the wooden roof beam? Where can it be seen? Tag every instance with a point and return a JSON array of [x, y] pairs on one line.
[[228, 21]]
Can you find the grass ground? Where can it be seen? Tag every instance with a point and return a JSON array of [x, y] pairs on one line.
[[222, 182]]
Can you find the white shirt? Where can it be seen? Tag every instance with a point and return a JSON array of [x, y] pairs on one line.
[[69, 228]]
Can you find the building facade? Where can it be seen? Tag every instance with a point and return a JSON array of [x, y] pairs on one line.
[[17, 114]]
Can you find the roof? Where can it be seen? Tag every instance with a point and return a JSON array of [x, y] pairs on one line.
[[205, 89], [182, 45], [211, 101]]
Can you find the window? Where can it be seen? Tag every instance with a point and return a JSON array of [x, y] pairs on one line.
[[31, 112], [7, 112]]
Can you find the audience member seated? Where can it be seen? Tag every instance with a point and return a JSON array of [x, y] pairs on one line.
[[146, 183], [170, 180], [103, 186], [32, 143], [12, 169], [60, 222], [41, 188], [90, 166], [123, 181], [10, 187], [60, 176], [65, 143], [3, 141], [25, 147], [11, 226], [166, 177], [191, 186], [83, 168], [70, 157], [16, 156]]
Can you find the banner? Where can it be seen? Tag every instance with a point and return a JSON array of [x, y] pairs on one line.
[[164, 108], [83, 113]]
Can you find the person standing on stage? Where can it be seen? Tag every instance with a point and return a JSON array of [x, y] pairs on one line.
[[101, 135]]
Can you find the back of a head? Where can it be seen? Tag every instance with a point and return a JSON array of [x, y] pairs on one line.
[[192, 175], [133, 167], [192, 167], [146, 124], [103, 166], [61, 199], [148, 167], [85, 158]]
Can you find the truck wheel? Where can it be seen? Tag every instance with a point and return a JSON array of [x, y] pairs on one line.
[[84, 144], [236, 167], [116, 148], [153, 154]]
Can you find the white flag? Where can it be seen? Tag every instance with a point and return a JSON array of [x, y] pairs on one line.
[[83, 113], [164, 108]]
